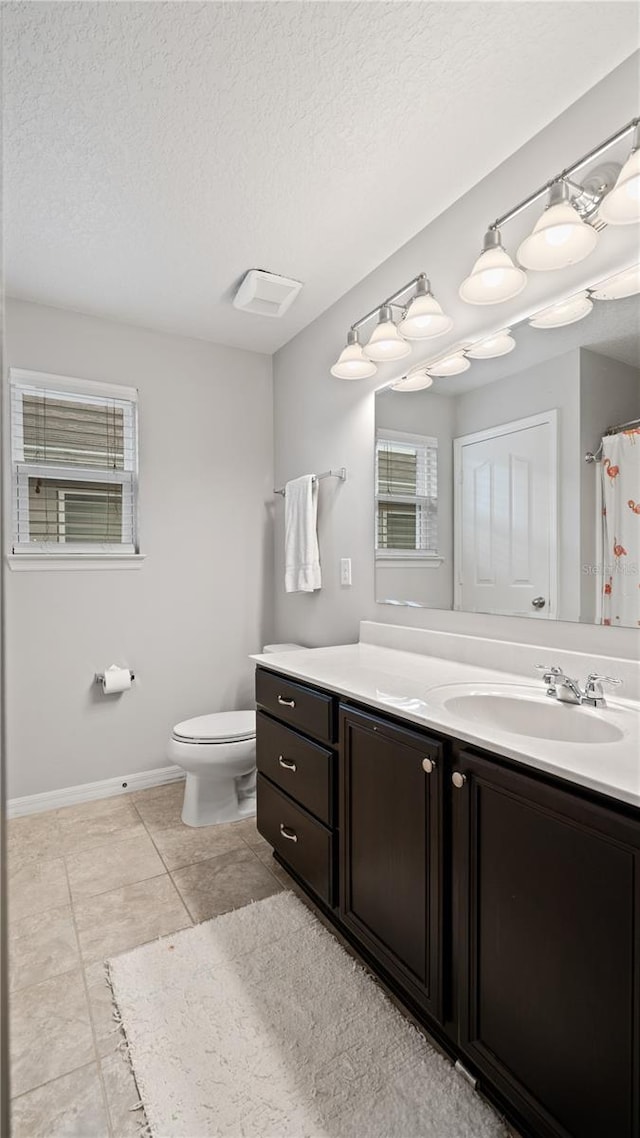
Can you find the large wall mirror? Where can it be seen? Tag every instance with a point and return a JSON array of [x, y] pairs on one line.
[[484, 500]]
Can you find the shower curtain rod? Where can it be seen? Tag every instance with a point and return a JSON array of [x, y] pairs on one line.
[[594, 456]]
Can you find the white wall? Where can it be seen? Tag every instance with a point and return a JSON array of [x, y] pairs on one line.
[[187, 619], [322, 422]]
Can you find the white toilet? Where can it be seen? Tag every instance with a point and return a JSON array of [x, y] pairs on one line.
[[218, 754]]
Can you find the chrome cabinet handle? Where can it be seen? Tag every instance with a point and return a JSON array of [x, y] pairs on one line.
[[290, 835], [458, 779], [286, 702], [538, 602], [428, 765], [287, 764]]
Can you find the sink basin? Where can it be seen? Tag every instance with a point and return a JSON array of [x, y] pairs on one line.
[[525, 711]]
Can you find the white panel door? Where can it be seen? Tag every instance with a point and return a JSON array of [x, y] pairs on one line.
[[505, 518]]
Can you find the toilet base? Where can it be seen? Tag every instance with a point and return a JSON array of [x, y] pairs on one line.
[[208, 802]]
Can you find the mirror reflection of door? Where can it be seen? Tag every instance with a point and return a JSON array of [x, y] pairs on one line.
[[505, 510]]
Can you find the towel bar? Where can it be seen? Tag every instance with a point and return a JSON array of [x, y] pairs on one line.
[[340, 473]]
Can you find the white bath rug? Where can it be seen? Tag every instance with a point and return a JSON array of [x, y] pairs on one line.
[[258, 1024]]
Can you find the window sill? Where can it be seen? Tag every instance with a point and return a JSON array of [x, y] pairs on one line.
[[31, 562], [415, 561]]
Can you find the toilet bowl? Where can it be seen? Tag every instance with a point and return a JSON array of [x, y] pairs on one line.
[[217, 752]]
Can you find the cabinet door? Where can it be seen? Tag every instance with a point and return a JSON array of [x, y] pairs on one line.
[[390, 829], [548, 949]]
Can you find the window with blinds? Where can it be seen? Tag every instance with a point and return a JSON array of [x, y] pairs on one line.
[[406, 495], [74, 458]]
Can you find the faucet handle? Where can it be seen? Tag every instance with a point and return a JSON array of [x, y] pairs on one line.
[[593, 678], [551, 675], [551, 672]]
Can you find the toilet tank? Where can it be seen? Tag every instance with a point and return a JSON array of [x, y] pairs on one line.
[[268, 648]]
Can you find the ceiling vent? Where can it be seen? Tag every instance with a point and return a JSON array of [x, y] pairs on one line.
[[266, 294]]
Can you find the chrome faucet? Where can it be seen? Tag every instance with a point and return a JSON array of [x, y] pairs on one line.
[[567, 690]]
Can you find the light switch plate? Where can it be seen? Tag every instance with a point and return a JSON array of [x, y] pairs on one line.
[[345, 570]]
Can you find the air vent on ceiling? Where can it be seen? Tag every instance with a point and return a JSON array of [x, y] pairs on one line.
[[266, 294]]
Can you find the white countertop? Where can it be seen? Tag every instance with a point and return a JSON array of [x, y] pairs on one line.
[[399, 682]]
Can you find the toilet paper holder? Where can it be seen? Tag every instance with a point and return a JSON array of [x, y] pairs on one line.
[[99, 677]]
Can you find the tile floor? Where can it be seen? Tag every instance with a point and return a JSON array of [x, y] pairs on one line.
[[86, 882]]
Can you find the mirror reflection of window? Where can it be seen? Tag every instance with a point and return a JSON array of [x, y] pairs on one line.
[[406, 494]]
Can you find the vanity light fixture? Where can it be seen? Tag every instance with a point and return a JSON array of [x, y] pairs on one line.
[[454, 364], [621, 206], [385, 342], [626, 283], [560, 237], [491, 347], [424, 317], [352, 362], [418, 380], [494, 277], [567, 311]]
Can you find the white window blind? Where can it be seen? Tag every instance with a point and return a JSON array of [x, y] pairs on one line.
[[406, 495], [74, 459]]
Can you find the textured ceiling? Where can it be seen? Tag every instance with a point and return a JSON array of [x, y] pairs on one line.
[[155, 152]]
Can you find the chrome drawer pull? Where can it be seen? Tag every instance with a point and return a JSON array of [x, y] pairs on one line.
[[289, 834], [428, 765], [287, 764], [286, 702]]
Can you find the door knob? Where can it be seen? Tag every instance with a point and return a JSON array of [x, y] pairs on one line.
[[428, 765], [538, 602], [458, 779]]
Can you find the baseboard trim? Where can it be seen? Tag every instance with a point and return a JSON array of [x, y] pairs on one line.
[[87, 791]]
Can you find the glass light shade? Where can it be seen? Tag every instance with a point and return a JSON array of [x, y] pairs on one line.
[[626, 283], [622, 204], [560, 237], [424, 319], [499, 345], [567, 311], [385, 342], [450, 365], [352, 362], [413, 382], [494, 278]]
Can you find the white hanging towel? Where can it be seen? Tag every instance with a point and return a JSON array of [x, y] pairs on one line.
[[301, 553]]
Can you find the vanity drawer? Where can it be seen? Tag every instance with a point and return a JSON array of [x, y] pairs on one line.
[[311, 711], [308, 848], [301, 768]]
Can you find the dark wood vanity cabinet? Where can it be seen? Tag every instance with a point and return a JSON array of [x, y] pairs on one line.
[[391, 857], [297, 783], [548, 966], [503, 905]]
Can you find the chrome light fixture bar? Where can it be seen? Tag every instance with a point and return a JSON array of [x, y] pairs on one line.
[[420, 318], [565, 175], [558, 241]]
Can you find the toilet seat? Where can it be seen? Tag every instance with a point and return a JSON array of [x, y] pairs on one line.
[[221, 727]]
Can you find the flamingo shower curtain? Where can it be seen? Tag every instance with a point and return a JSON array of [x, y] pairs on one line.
[[620, 477]]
